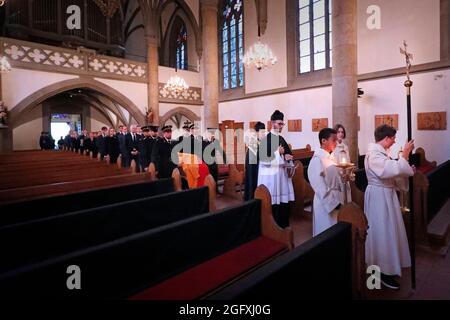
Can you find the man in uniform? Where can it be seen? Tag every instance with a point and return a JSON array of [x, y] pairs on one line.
[[162, 154]]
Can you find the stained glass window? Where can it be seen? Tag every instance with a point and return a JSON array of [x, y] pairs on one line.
[[182, 49], [232, 39]]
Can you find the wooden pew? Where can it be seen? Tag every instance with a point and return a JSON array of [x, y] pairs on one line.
[[191, 253], [304, 194], [431, 196], [43, 239], [354, 215], [330, 265], [320, 268], [26, 210]]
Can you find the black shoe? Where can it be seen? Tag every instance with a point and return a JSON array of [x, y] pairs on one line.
[[389, 282]]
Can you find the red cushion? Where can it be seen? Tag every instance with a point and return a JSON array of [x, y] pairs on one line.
[[203, 278]]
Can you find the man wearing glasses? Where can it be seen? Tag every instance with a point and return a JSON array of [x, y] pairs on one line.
[[275, 154]]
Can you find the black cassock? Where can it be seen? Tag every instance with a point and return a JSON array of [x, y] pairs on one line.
[[161, 157], [251, 172]]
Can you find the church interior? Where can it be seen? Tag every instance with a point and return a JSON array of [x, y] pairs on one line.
[[225, 149]]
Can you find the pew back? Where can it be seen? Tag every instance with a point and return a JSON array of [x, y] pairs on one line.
[[39, 240], [120, 268], [318, 269]]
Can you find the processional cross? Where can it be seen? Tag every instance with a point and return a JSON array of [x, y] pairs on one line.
[[408, 57]]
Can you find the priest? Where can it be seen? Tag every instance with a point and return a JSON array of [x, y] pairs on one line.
[[325, 180], [275, 155], [387, 243]]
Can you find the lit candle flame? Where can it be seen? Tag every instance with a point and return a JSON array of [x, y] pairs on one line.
[[343, 160]]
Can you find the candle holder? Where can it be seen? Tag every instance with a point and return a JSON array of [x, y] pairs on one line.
[[347, 173]]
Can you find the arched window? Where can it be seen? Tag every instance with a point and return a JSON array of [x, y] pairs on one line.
[[314, 38], [232, 37], [182, 48], [178, 57]]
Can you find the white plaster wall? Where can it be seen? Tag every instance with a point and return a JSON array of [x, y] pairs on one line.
[[193, 79], [20, 83], [135, 91], [305, 105], [98, 120], [275, 36], [166, 107], [430, 93], [417, 22], [26, 136]]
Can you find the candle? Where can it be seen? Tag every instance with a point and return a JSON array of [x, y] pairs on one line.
[[343, 160]]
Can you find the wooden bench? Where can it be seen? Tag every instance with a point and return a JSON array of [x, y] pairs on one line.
[[43, 239], [236, 237], [329, 266], [318, 269], [22, 211]]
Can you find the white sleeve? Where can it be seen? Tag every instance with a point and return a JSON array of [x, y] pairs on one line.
[[386, 168], [317, 178]]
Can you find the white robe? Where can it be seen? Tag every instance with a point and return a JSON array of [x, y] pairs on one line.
[[326, 182], [387, 243], [273, 175]]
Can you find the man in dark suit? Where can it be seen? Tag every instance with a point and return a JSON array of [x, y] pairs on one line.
[[101, 145], [132, 141], [123, 146], [82, 139], [161, 154]]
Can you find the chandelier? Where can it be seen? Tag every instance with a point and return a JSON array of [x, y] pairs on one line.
[[108, 7], [5, 67], [176, 85], [259, 55]]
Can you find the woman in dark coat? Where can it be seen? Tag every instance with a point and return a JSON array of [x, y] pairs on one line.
[[112, 146], [252, 162]]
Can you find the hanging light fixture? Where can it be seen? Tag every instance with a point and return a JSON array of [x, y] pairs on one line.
[[5, 67], [259, 55], [176, 85]]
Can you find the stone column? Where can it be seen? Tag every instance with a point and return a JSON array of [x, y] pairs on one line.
[[153, 78], [209, 9], [345, 71]]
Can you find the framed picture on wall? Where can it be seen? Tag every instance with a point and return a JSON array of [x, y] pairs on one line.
[[389, 119], [432, 121], [319, 124], [295, 125]]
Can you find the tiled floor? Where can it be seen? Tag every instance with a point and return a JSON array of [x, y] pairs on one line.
[[432, 270]]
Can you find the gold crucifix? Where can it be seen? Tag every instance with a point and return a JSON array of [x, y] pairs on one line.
[[408, 57]]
